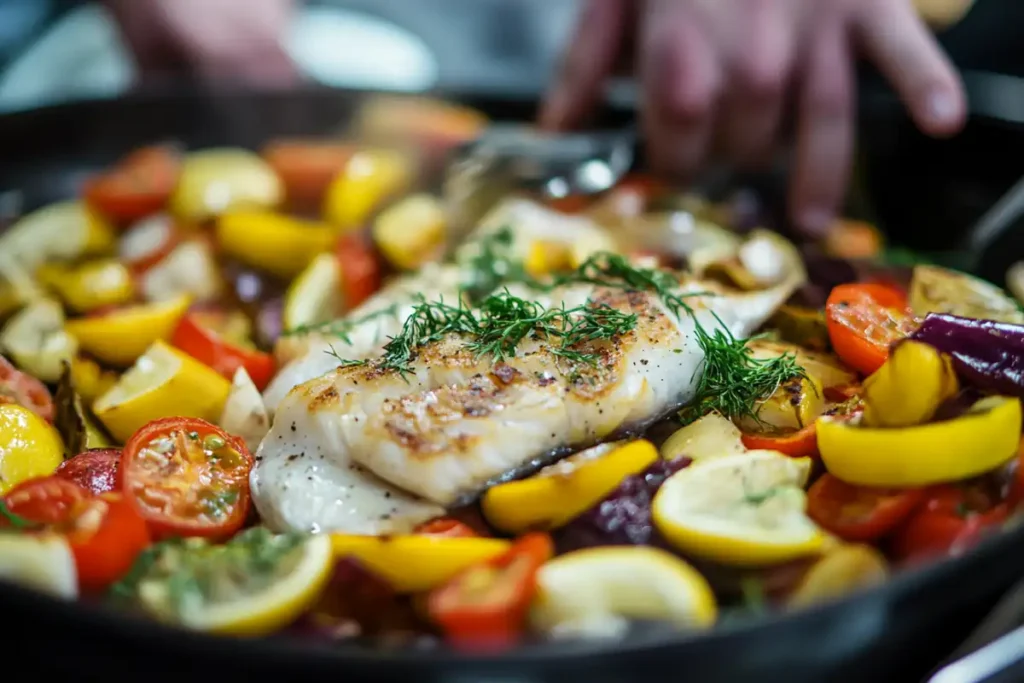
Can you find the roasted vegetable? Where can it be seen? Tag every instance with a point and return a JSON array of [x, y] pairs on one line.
[[842, 571], [190, 269], [802, 326], [853, 240], [273, 242], [89, 286], [909, 387], [711, 436], [58, 232], [411, 231], [121, 336], [986, 354], [796, 404], [29, 446], [940, 290], [214, 181], [36, 339], [370, 177], [244, 413]]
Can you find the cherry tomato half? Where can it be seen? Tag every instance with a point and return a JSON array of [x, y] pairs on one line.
[[951, 519], [859, 513], [105, 532], [864, 320], [25, 390], [485, 606], [447, 527], [97, 470], [799, 443], [360, 269], [200, 340], [139, 185], [306, 167], [187, 477]]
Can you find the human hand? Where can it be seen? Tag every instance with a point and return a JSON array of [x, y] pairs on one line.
[[718, 76], [217, 40]]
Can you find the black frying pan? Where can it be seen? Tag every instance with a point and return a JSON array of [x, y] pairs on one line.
[[894, 633]]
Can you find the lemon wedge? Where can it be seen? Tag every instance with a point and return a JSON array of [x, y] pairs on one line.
[[43, 562], [164, 382], [412, 564], [253, 585], [120, 337], [595, 592], [315, 295], [560, 492], [745, 510]]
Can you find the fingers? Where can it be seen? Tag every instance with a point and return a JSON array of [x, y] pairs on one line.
[[825, 128], [600, 35], [681, 76], [897, 41], [760, 66]]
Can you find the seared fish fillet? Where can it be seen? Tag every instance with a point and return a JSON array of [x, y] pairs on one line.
[[458, 421]]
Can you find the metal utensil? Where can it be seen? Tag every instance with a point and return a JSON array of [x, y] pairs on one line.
[[987, 232]]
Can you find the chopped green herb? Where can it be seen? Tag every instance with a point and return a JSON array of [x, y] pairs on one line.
[[16, 521]]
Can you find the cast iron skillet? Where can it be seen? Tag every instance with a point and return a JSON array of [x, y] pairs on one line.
[[896, 632]]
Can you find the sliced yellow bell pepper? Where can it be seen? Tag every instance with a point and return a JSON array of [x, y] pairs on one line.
[[909, 387], [89, 286], [411, 231], [412, 564], [370, 177], [972, 444], [120, 337], [561, 492], [29, 446], [164, 382], [273, 242]]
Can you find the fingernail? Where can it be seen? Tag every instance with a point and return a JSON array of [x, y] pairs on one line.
[[815, 221], [942, 109]]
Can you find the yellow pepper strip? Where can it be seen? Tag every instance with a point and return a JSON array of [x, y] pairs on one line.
[[909, 387], [951, 450], [29, 446], [269, 241], [413, 564], [370, 177], [164, 382], [559, 493], [89, 286], [120, 337], [411, 231]]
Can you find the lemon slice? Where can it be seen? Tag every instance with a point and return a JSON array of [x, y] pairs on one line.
[[120, 337], [59, 232], [164, 382], [314, 296], [560, 492], [595, 592], [745, 509], [42, 562], [253, 585]]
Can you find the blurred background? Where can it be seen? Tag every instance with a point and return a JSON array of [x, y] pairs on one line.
[[53, 50]]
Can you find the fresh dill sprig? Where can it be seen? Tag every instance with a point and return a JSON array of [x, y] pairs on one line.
[[342, 327], [492, 266]]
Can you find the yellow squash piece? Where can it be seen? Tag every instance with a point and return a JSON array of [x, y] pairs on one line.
[[89, 286], [273, 242], [59, 232], [711, 436], [411, 231], [371, 176], [595, 592], [743, 510], [315, 295], [214, 181], [979, 441], [35, 339], [562, 491], [29, 446], [164, 382], [824, 368], [120, 337], [40, 561], [909, 387], [413, 564]]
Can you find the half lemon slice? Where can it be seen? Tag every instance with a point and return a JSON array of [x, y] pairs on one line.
[[164, 382], [595, 592], [315, 295], [745, 510]]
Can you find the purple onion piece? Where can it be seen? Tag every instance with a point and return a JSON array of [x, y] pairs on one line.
[[987, 354]]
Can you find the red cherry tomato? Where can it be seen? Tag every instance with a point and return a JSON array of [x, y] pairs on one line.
[[199, 340], [360, 269], [864, 320], [187, 477], [97, 470], [307, 167], [485, 606], [951, 519], [859, 513], [25, 390], [139, 185], [105, 532]]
